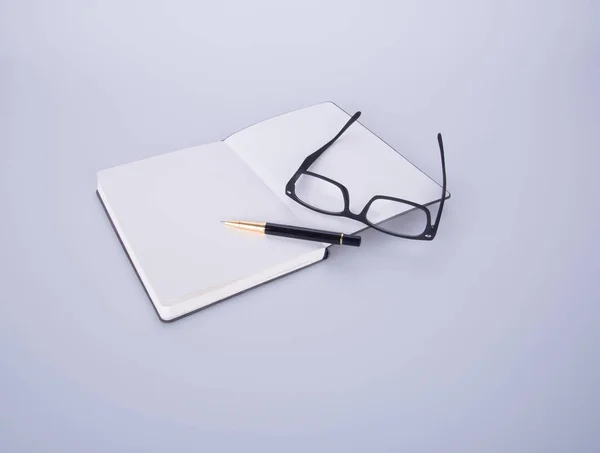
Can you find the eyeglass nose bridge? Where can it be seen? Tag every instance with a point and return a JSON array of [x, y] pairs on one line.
[[349, 214]]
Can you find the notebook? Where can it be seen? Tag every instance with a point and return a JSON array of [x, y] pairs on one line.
[[167, 210]]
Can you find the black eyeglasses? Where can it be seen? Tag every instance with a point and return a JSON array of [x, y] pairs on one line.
[[332, 198]]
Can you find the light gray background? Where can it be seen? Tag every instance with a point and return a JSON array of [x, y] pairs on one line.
[[486, 339]]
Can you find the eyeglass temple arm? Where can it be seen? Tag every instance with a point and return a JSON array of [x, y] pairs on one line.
[[314, 156], [439, 214]]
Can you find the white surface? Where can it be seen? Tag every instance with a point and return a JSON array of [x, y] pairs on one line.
[[359, 160], [168, 211], [484, 340]]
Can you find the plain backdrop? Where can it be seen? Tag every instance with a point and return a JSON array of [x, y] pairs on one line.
[[484, 340]]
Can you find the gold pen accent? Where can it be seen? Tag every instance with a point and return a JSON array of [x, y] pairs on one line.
[[258, 227], [341, 238]]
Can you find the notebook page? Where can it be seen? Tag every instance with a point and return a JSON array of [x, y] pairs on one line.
[[169, 209], [361, 161]]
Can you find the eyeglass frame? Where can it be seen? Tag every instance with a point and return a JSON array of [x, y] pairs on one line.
[[428, 233]]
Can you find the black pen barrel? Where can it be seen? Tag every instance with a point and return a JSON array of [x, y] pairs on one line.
[[308, 234]]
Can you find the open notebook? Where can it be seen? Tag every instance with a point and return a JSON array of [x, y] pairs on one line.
[[167, 210]]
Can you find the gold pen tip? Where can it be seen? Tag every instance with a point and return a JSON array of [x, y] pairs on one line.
[[253, 226]]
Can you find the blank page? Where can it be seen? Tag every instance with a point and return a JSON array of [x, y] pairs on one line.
[[168, 211], [359, 159]]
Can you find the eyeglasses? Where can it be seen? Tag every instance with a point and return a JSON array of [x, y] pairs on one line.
[[324, 195]]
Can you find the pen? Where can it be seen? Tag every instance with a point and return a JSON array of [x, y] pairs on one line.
[[295, 232]]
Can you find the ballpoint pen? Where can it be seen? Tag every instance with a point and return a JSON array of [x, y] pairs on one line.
[[295, 232]]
